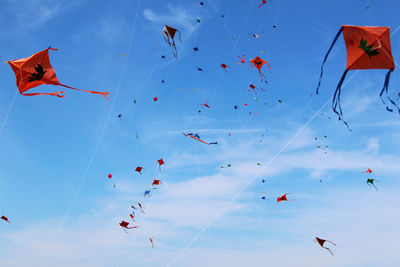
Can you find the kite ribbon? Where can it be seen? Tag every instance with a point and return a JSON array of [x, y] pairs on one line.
[[326, 57], [336, 99], [196, 139], [385, 90]]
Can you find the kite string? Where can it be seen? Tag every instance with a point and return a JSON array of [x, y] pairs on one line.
[[252, 179], [8, 113], [101, 135]]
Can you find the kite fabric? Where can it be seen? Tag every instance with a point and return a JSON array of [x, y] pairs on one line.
[[4, 218], [321, 243], [368, 171], [367, 47], [169, 35], [37, 70]]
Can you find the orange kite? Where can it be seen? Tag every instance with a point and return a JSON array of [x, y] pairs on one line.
[[37, 70], [367, 47]]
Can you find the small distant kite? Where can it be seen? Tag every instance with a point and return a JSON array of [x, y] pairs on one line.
[[242, 59], [224, 66], [370, 182], [321, 243], [141, 208], [195, 49], [160, 163], [262, 3], [109, 176], [258, 63], [205, 105], [195, 138], [4, 218], [37, 70], [155, 99], [132, 216], [147, 192], [125, 226], [367, 47], [139, 169], [156, 182], [283, 198], [368, 171], [151, 241], [169, 35]]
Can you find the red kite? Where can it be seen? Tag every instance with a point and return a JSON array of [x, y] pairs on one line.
[[152, 243], [132, 216], [169, 35], [262, 3], [321, 243], [37, 70], [283, 198], [367, 47], [125, 224], [156, 182], [109, 176], [155, 99], [224, 66], [160, 162], [242, 59], [5, 219], [258, 63], [368, 171], [205, 105], [139, 169]]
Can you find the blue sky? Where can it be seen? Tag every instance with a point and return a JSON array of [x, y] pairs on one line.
[[56, 153]]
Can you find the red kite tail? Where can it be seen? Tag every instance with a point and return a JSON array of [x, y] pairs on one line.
[[58, 94], [104, 94]]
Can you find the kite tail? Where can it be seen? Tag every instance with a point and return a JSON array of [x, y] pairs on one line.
[[336, 99], [385, 90], [328, 250], [58, 94], [104, 94], [326, 57]]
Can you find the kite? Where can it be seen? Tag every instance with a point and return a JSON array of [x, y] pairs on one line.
[[140, 207], [195, 49], [262, 3], [368, 171], [205, 105], [120, 117], [202, 3], [367, 47], [169, 35], [283, 198], [199, 69], [147, 192], [156, 182], [256, 36], [132, 216], [195, 138], [198, 20], [155, 99], [151, 241], [139, 169], [160, 162], [321, 243], [37, 70], [224, 66], [370, 182], [109, 176], [5, 219], [258, 63], [242, 59], [125, 224]]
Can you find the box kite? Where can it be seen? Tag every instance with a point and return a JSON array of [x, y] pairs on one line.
[[169, 35], [367, 47], [37, 70]]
